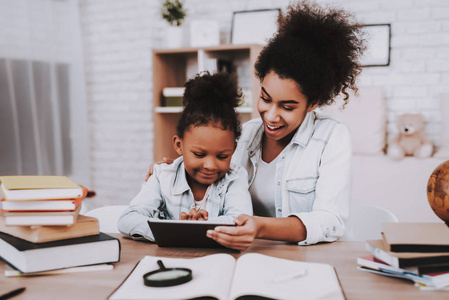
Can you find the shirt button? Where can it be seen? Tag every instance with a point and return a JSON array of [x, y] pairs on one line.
[[279, 209], [279, 183], [334, 229], [326, 235], [283, 157]]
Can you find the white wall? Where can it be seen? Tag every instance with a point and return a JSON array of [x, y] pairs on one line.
[[118, 39], [45, 31], [119, 36]]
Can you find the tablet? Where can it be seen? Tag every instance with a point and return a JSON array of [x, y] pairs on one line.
[[191, 234]]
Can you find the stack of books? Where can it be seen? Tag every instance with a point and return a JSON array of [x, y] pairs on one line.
[[173, 96], [41, 230], [40, 200], [415, 251]]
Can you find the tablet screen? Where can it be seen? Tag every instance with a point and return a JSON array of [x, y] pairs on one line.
[[192, 234]]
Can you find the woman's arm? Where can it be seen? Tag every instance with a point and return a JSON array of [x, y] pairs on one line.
[[289, 229], [324, 223]]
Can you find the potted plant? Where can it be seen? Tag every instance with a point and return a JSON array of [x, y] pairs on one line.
[[174, 13]]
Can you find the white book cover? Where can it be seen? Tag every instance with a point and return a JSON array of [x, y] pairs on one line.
[[173, 92]]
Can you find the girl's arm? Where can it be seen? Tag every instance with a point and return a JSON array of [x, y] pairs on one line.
[[133, 221]]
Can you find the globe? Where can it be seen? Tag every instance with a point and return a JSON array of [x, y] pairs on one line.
[[438, 191]]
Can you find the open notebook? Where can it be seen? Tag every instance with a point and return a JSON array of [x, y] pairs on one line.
[[220, 276]]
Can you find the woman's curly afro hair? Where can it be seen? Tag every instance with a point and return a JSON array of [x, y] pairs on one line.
[[319, 48], [211, 99]]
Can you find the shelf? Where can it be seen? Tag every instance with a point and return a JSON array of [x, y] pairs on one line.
[[167, 109], [173, 67], [178, 109]]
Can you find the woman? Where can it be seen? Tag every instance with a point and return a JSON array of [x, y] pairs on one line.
[[298, 162]]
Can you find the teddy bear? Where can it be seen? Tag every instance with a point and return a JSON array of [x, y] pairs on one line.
[[411, 139]]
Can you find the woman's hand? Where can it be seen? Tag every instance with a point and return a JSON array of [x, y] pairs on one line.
[[240, 237], [164, 160], [201, 215]]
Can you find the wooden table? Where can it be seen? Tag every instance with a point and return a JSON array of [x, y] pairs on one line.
[[100, 284]]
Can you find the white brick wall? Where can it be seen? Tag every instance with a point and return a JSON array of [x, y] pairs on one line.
[[119, 36]]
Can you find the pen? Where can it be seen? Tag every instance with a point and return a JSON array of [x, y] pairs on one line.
[[12, 293], [300, 273]]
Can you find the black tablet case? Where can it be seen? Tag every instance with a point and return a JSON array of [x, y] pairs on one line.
[[189, 234]]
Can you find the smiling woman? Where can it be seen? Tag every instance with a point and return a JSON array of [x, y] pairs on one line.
[[299, 162], [283, 108]]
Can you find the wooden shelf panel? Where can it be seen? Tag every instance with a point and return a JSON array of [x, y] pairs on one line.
[[172, 68], [178, 109]]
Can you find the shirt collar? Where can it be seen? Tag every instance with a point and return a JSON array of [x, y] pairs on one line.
[[181, 185], [305, 130]]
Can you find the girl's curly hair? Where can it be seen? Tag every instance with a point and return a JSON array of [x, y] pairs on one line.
[[211, 99], [319, 48]]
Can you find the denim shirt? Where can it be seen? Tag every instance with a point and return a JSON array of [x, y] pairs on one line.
[[167, 194], [313, 174]]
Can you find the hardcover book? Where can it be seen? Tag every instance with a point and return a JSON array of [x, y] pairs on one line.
[[416, 237], [16, 188], [43, 204], [12, 272], [84, 226], [404, 259], [31, 257], [41, 218], [173, 96]]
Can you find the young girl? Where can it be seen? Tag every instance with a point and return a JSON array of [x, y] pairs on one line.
[[299, 162], [201, 184]]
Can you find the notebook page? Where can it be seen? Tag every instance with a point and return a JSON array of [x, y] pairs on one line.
[[211, 274], [277, 278]]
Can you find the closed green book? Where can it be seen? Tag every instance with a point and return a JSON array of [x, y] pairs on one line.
[[173, 101]]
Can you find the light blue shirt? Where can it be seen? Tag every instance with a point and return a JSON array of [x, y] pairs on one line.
[[167, 194], [313, 174]]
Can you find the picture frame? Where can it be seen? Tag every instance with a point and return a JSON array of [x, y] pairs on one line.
[[377, 53], [254, 26]]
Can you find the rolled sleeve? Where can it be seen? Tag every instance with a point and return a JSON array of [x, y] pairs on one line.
[[133, 222]]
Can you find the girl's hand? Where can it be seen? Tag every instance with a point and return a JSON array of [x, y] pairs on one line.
[[164, 160], [240, 237], [201, 215]]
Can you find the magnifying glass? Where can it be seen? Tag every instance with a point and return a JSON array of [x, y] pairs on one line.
[[167, 277]]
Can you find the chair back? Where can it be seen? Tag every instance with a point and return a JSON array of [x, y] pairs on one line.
[[365, 222], [107, 217]]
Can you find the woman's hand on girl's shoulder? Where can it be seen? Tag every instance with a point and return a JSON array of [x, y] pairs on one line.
[[165, 160], [240, 237]]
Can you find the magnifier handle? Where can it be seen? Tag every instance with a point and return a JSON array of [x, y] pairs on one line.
[[161, 265]]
